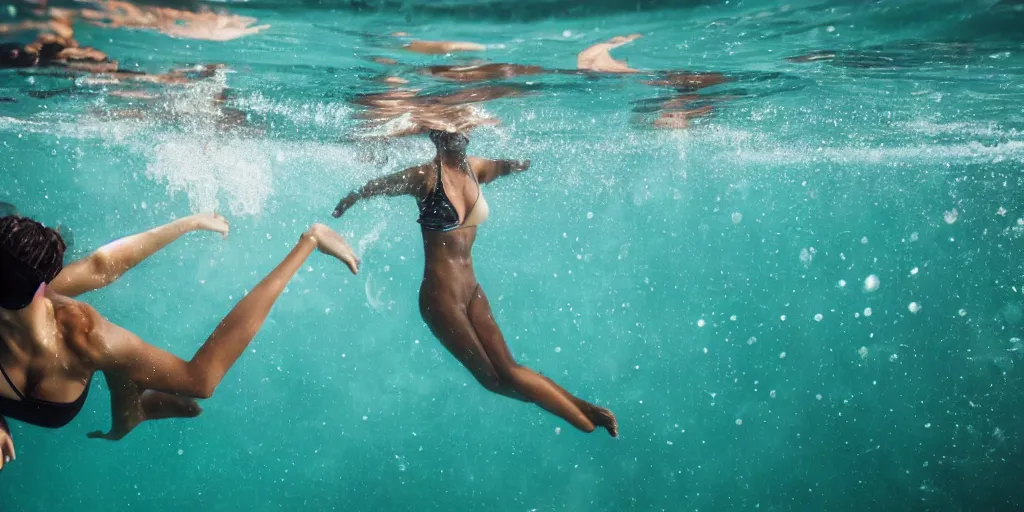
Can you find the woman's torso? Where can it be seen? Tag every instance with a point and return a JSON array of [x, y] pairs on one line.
[[46, 379], [448, 271]]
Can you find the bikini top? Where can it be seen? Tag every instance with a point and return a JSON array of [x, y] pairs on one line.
[[41, 413], [437, 213]]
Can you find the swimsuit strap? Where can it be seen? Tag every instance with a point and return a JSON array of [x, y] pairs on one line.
[[479, 189], [440, 182], [13, 387]]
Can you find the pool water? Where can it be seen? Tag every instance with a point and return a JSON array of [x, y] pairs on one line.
[[812, 299]]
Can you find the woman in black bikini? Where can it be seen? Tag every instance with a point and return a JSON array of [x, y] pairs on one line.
[[451, 301], [51, 345]]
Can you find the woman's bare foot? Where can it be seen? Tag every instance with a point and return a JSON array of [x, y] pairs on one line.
[[152, 405], [159, 406], [602, 417], [332, 244]]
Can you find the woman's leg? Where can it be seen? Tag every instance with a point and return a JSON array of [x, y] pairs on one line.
[[477, 342], [455, 331], [231, 337], [130, 406], [538, 388]]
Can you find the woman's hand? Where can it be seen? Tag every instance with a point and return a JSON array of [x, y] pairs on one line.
[[214, 222], [347, 202], [6, 444]]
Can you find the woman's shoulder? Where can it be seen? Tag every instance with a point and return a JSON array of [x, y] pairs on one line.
[[77, 321]]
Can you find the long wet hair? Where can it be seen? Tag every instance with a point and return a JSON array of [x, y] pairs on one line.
[[449, 142], [30, 254]]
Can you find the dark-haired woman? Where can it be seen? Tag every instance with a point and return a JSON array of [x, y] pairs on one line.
[[51, 345], [452, 303]]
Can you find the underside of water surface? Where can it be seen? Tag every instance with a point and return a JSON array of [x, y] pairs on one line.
[[806, 295]]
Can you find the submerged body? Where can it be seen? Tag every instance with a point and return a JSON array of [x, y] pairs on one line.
[[452, 302], [51, 345]]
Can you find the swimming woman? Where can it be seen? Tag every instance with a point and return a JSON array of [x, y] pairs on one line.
[[52, 345], [452, 303]]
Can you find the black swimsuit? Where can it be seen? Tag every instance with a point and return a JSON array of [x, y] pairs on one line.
[[41, 413], [437, 213]]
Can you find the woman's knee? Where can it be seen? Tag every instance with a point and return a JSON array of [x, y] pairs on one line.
[[509, 375], [491, 381]]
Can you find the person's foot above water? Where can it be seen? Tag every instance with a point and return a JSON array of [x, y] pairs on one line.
[[332, 244], [598, 58]]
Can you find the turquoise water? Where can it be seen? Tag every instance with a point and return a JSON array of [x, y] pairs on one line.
[[674, 276]]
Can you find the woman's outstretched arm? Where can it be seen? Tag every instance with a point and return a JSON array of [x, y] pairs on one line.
[[116, 350], [402, 183], [111, 261]]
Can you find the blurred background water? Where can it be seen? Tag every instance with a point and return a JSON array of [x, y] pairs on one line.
[[715, 286]]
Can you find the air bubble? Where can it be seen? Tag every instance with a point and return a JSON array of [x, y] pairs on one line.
[[871, 283], [951, 216]]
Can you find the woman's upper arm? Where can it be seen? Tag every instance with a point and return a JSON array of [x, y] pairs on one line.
[[79, 277], [405, 182], [489, 170], [413, 180], [486, 170]]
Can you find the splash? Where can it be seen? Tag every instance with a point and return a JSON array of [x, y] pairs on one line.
[[235, 171]]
